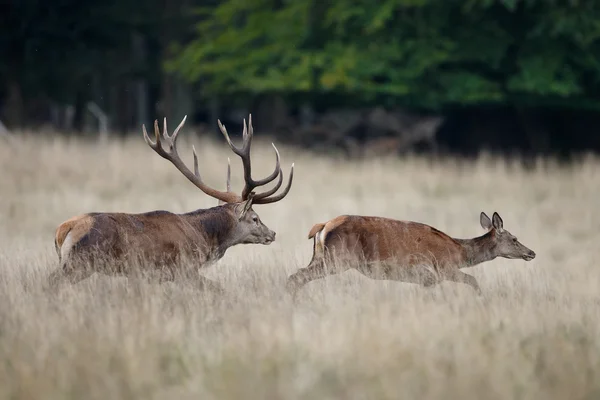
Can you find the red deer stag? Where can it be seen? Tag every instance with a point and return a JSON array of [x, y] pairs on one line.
[[159, 241], [387, 249]]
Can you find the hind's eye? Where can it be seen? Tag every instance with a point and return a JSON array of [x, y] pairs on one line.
[[255, 219], [515, 240]]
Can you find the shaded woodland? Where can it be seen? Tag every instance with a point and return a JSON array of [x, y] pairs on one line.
[[362, 76]]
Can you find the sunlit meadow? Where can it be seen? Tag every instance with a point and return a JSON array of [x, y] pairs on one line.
[[535, 334]]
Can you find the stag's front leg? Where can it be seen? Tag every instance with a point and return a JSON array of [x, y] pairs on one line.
[[192, 277], [208, 285]]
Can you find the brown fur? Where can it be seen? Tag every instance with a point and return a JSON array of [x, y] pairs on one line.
[[157, 239], [379, 239], [160, 240], [329, 226], [316, 228], [82, 225], [384, 248]]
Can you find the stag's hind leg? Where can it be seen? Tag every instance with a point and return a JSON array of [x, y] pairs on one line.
[[69, 272]]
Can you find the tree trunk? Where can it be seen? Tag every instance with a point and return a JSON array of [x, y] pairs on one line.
[[141, 84], [14, 110], [214, 111], [78, 120]]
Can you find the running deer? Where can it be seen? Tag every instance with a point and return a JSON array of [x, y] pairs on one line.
[[159, 241], [406, 251]]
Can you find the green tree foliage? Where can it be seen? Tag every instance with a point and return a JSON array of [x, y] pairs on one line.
[[424, 53], [51, 49]]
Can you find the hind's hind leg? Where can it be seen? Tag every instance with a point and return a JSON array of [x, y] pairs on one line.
[[317, 269]]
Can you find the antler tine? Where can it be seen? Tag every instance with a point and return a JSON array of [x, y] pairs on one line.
[[273, 190], [249, 132], [228, 180], [264, 181], [279, 173], [176, 131], [250, 127], [244, 154], [156, 145], [229, 142], [228, 183], [196, 169], [174, 158], [245, 136], [146, 137], [280, 196]]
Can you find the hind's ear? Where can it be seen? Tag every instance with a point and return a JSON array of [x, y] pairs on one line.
[[485, 221], [497, 222]]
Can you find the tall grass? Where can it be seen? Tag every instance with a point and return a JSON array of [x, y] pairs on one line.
[[534, 335]]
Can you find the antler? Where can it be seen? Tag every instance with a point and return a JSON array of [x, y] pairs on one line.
[[173, 157], [228, 181], [251, 184]]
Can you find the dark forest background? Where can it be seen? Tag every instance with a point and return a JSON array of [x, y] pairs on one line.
[[364, 76]]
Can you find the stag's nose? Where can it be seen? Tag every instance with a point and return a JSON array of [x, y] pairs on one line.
[[271, 237], [530, 255]]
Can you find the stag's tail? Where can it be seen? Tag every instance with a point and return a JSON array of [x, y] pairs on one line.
[[70, 232], [59, 236], [317, 232]]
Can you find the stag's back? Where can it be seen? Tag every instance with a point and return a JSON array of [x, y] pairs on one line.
[[152, 235], [378, 238]]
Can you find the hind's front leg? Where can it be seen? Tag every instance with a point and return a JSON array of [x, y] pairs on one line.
[[455, 275]]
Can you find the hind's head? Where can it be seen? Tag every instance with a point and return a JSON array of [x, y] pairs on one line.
[[505, 243]]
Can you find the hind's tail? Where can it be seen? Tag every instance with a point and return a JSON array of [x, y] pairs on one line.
[[315, 229]]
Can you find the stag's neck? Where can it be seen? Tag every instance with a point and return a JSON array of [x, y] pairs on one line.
[[478, 250], [216, 225]]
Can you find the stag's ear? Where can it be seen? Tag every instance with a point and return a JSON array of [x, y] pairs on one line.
[[244, 206], [497, 222], [485, 221]]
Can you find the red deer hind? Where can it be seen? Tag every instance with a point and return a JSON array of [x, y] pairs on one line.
[[388, 249], [106, 242]]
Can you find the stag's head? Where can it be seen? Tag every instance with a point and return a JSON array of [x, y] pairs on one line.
[[505, 244], [248, 228]]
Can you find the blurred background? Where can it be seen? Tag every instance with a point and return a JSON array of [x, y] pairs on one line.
[[360, 76]]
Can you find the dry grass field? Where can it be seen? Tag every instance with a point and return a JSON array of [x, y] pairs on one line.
[[534, 335]]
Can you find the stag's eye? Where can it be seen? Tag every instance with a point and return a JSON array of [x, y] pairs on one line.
[[255, 219], [514, 240]]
